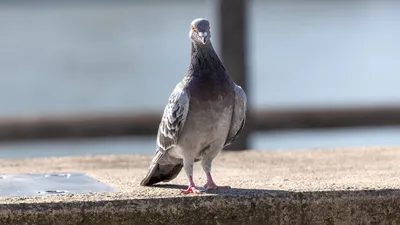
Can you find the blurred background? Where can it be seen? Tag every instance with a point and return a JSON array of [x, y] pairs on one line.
[[93, 77]]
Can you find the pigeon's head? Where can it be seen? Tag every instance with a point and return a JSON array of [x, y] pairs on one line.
[[200, 31]]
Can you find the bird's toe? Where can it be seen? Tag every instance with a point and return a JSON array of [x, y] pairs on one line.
[[213, 186], [194, 190]]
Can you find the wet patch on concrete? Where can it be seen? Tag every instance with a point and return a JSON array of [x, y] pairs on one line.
[[50, 184]]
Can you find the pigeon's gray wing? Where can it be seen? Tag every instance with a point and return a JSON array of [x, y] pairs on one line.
[[238, 116], [173, 119], [163, 167]]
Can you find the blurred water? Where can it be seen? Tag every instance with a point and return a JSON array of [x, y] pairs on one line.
[[61, 58], [287, 140]]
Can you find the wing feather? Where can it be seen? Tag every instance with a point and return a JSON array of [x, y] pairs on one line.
[[164, 167], [173, 119], [238, 116]]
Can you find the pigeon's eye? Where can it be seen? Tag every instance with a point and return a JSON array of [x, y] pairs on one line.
[[194, 28]]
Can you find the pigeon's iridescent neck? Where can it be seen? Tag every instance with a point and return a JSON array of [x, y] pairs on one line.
[[203, 56], [203, 50]]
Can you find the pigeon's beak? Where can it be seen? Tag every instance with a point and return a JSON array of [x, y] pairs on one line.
[[203, 37]]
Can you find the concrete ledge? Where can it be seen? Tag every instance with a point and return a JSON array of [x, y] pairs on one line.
[[348, 186]]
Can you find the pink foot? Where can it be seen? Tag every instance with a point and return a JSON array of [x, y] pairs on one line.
[[210, 185], [192, 189], [213, 186]]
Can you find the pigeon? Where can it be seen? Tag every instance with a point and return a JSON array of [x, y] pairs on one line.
[[205, 112]]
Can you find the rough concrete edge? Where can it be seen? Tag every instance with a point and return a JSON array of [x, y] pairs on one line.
[[330, 207]]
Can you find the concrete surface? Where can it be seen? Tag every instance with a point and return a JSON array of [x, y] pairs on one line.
[[322, 186]]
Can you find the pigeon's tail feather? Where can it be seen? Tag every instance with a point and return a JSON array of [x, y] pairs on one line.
[[161, 172]]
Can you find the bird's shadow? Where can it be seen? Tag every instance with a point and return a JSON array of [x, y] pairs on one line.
[[231, 191]]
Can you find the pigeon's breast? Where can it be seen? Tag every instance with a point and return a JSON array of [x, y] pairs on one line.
[[211, 87], [209, 117], [207, 124], [211, 95]]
